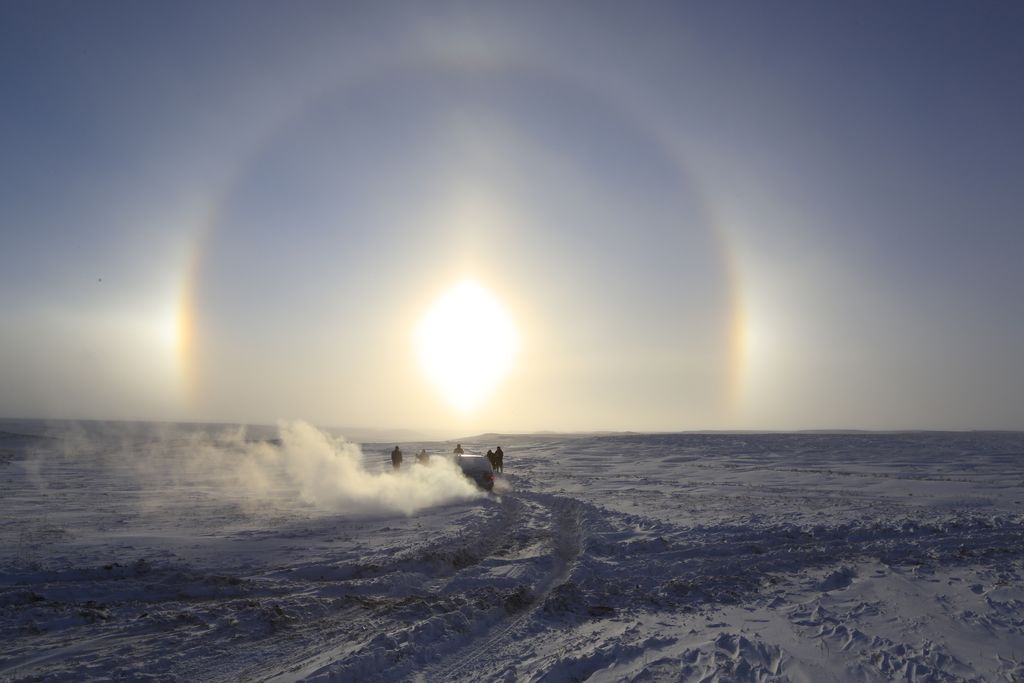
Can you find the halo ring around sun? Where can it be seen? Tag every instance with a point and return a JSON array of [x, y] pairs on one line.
[[190, 346]]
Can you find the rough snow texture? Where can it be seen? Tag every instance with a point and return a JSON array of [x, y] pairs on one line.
[[803, 557]]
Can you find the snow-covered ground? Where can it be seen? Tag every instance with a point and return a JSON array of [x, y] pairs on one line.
[[187, 553]]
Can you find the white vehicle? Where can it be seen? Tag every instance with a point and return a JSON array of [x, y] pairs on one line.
[[477, 468]]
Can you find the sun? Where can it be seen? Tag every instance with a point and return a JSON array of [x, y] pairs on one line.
[[466, 343]]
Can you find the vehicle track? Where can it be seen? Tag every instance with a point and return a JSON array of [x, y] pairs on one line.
[[566, 542], [354, 628]]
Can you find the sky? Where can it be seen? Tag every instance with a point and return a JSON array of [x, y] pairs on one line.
[[682, 216]]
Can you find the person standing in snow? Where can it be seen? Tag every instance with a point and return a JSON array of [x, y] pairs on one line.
[[499, 460], [458, 449], [490, 458], [422, 457], [396, 458]]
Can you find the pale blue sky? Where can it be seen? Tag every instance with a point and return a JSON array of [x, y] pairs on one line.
[[700, 215]]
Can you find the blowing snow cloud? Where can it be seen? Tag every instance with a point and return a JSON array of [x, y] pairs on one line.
[[304, 467]]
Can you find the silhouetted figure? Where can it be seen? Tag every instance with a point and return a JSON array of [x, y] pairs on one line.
[[490, 458], [499, 460], [396, 458], [422, 457], [458, 449]]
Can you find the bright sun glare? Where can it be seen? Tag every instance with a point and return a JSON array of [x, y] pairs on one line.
[[466, 344]]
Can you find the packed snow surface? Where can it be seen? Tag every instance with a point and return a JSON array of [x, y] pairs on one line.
[[177, 552]]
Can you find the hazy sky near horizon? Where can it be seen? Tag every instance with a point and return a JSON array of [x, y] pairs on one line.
[[697, 215]]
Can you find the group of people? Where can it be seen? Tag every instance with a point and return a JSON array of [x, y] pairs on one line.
[[495, 457], [396, 457]]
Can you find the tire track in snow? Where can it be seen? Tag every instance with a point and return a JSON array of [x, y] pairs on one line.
[[566, 539], [356, 627]]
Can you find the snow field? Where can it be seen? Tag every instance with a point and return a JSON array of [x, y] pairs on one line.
[[686, 557]]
